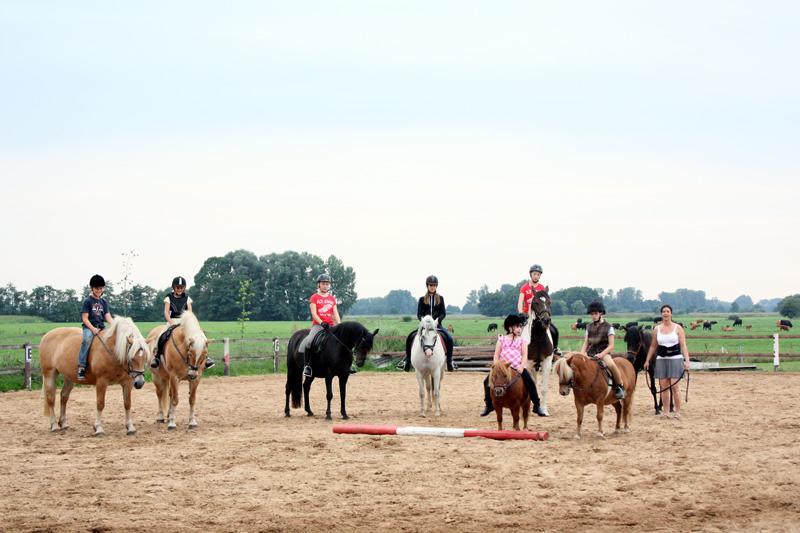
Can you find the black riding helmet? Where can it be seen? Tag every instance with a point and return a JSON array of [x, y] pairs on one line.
[[511, 321], [535, 268], [97, 281], [596, 306], [179, 281], [324, 277], [431, 280]]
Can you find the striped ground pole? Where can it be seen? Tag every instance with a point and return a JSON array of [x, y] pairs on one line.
[[366, 429]]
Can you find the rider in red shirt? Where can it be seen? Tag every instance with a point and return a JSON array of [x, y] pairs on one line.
[[324, 313], [526, 293]]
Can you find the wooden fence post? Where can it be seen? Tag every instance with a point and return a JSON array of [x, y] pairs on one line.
[[28, 357], [776, 348], [276, 358], [226, 357]]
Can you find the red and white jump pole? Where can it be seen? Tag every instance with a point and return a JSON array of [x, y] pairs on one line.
[[367, 429]]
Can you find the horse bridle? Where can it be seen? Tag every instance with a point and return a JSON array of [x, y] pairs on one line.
[[184, 358], [501, 389], [343, 345], [638, 346], [132, 372], [428, 346]]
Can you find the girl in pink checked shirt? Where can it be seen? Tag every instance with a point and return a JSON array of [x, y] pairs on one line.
[[512, 349]]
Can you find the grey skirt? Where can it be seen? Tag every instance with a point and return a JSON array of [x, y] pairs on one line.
[[668, 367]]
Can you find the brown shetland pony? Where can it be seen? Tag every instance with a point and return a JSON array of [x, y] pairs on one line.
[[184, 358], [587, 380], [119, 354], [508, 390]]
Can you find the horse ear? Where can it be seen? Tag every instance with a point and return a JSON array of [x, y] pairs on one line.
[[375, 332], [191, 342], [547, 289], [130, 338]]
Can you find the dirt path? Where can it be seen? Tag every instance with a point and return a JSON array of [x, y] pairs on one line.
[[732, 463]]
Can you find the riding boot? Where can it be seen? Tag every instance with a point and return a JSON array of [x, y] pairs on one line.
[[450, 365], [533, 393], [306, 366], [487, 399], [407, 363], [619, 391], [156, 362]]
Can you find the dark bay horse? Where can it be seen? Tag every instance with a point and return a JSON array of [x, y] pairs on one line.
[[638, 342], [507, 389], [584, 376], [540, 349], [332, 359]]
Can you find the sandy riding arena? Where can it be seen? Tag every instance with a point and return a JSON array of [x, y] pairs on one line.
[[731, 463]]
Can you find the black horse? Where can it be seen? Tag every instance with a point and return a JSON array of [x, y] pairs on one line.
[[638, 341], [333, 358]]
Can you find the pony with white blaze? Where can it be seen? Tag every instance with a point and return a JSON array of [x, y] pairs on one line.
[[184, 358], [118, 354], [539, 340], [429, 360]]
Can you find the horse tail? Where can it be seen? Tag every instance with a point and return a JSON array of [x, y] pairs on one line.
[[296, 389], [294, 374]]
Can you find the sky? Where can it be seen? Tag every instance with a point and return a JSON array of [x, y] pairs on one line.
[[623, 144]]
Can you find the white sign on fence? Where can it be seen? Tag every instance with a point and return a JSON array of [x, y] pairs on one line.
[[776, 345]]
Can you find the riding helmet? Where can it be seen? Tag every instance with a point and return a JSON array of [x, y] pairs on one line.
[[180, 281], [596, 306], [431, 280], [511, 321], [324, 277], [97, 281], [535, 268]]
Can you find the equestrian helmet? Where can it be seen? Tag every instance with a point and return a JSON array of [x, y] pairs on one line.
[[97, 281], [511, 321], [596, 306], [535, 268], [431, 280], [324, 277], [180, 281]]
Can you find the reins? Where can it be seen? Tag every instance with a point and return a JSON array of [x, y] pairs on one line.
[[131, 371], [185, 358]]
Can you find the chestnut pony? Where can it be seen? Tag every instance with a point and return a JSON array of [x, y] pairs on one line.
[[118, 354], [184, 358], [587, 380], [508, 390]]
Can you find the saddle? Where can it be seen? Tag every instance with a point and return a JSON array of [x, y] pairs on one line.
[[317, 342], [606, 372], [163, 338]]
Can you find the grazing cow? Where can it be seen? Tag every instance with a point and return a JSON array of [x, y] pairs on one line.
[[648, 326], [617, 325], [657, 320], [748, 327], [737, 322], [492, 327], [783, 322], [727, 328], [783, 327], [707, 325], [573, 327], [451, 329], [581, 325], [693, 326]]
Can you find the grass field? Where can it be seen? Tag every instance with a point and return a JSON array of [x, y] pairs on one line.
[[19, 330]]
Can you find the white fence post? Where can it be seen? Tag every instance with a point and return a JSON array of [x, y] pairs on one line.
[[776, 349], [28, 358], [276, 346], [226, 357]]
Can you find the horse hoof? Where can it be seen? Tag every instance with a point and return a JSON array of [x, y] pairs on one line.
[[172, 426], [286, 415], [577, 437], [437, 414], [422, 415], [160, 420], [309, 413], [131, 432], [345, 417], [193, 426], [99, 433], [328, 417], [600, 435], [54, 428]]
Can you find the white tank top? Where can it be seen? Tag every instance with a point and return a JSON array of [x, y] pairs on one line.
[[667, 339]]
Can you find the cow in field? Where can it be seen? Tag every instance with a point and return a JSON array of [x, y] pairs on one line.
[[737, 322], [783, 327], [748, 327], [492, 327], [784, 323], [727, 328]]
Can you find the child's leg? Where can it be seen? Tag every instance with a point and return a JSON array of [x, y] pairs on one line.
[[532, 392], [86, 343]]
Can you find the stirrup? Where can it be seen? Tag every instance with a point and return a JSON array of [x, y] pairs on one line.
[[307, 371], [353, 370], [209, 363], [156, 362], [81, 373], [619, 392]]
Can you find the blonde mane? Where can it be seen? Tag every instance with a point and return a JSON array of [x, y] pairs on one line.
[[123, 327], [192, 332], [562, 368]]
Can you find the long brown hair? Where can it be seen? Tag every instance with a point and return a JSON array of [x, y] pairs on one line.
[[437, 299]]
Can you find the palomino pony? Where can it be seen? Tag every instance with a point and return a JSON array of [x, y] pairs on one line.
[[540, 349], [508, 390], [583, 375], [637, 340], [333, 358], [429, 360], [118, 354], [184, 358]]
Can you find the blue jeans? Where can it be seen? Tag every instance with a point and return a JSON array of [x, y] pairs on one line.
[[86, 343]]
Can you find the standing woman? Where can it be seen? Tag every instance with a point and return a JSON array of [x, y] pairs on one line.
[[432, 303], [669, 344]]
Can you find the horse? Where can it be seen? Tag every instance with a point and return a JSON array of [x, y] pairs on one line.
[[540, 347], [583, 375], [637, 341], [119, 357], [333, 358], [429, 361], [184, 358], [507, 389]]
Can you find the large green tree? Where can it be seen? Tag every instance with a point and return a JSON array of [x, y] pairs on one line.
[[216, 288], [790, 306]]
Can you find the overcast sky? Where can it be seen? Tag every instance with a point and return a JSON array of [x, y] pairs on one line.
[[642, 144]]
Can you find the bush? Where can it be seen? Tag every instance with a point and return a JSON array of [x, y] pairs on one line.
[[406, 318]]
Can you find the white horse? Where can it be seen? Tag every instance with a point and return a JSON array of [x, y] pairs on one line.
[[428, 358], [539, 341]]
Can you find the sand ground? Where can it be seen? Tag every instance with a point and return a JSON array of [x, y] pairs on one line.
[[731, 463]]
